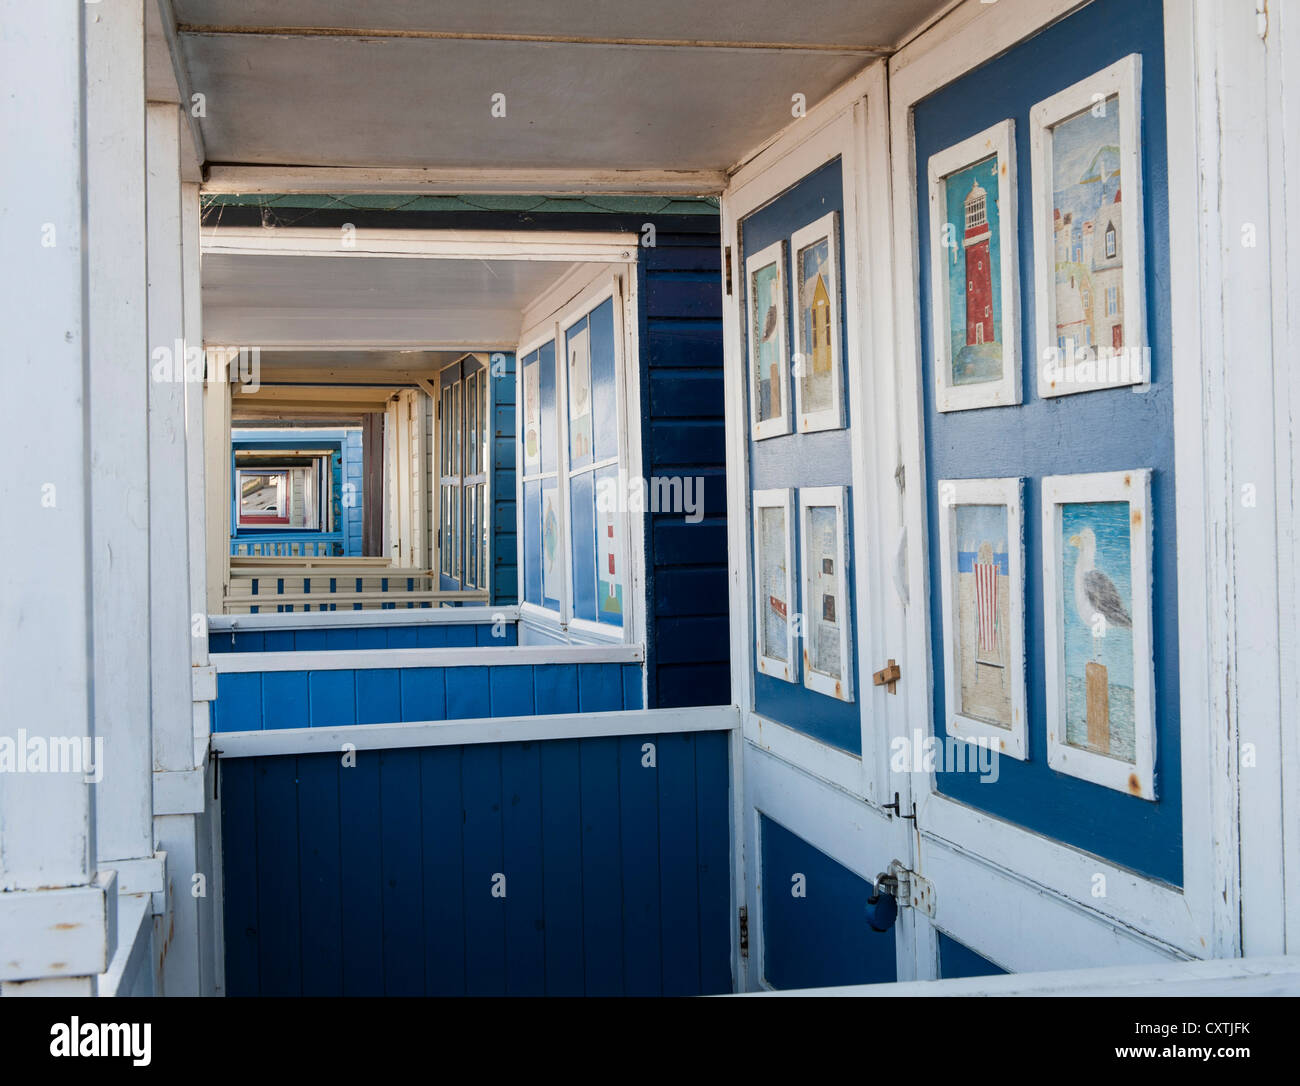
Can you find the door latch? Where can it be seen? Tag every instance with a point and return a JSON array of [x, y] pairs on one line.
[[898, 888], [888, 677]]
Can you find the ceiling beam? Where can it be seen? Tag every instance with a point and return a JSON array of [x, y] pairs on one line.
[[235, 178], [210, 30], [184, 86]]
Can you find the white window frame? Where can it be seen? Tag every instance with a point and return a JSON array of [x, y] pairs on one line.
[[548, 319]]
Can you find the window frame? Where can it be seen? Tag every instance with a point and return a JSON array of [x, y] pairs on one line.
[[599, 284]]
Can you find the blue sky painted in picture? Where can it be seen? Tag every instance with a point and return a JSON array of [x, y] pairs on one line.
[[1110, 523], [977, 524], [1085, 162]]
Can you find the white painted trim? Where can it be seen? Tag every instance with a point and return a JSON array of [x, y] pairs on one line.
[[778, 424], [316, 241], [834, 497], [832, 418], [228, 663], [130, 972], [75, 927], [1006, 493], [1000, 141], [1058, 375], [1134, 489], [310, 620], [455, 182], [444, 733], [777, 668]]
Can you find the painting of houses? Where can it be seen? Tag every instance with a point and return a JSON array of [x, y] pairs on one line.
[[815, 328], [1087, 230]]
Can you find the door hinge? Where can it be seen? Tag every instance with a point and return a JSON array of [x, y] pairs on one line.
[[727, 262], [909, 890], [744, 932]]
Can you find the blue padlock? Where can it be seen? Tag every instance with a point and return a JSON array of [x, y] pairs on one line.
[[882, 908]]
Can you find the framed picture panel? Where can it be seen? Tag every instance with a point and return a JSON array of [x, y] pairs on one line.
[[817, 369], [1089, 254], [975, 293], [1097, 628], [775, 607], [827, 624], [982, 567], [769, 358]]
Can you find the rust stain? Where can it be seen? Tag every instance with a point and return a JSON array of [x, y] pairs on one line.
[[838, 693], [65, 926], [1134, 785], [1137, 516], [58, 965], [1128, 480]]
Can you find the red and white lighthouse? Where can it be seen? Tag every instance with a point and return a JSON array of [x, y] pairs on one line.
[[979, 282]]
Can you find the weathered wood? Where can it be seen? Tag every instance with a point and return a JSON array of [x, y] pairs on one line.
[[1098, 712]]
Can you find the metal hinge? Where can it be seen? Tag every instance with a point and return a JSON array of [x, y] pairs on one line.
[[744, 932], [727, 261], [909, 889]]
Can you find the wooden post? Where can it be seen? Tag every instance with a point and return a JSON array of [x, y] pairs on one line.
[[1098, 687]]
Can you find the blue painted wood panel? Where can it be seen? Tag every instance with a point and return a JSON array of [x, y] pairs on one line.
[[821, 938], [612, 870], [258, 701], [365, 637], [1136, 431], [799, 460], [505, 568], [958, 960], [680, 284]]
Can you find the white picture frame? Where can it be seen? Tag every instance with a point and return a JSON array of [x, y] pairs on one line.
[[984, 614], [964, 161], [766, 603], [1107, 298], [768, 328], [1069, 502], [827, 627], [828, 349]]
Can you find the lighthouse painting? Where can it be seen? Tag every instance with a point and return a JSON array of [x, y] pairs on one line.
[[974, 293], [974, 261]]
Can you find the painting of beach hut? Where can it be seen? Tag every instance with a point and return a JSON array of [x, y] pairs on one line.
[[768, 358], [818, 377], [983, 610], [773, 602]]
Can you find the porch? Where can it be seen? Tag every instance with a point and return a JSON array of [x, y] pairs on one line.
[[537, 500]]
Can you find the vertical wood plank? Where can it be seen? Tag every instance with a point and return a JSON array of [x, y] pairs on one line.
[[602, 875], [332, 697], [403, 876], [441, 822], [424, 694], [467, 693], [562, 878], [239, 831], [600, 688], [713, 799], [379, 698], [485, 930], [321, 881], [679, 893], [521, 790], [639, 842], [512, 690], [362, 902], [277, 877], [284, 699]]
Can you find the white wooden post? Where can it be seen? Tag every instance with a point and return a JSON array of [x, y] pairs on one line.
[[216, 481], [57, 916], [178, 781], [119, 438]]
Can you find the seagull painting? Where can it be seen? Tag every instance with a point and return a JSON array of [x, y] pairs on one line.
[[1094, 592]]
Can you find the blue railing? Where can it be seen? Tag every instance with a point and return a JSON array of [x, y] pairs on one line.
[[289, 544]]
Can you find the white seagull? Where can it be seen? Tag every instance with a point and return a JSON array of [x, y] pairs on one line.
[[1094, 592]]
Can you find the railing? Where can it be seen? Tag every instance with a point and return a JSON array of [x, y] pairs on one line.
[[339, 585], [288, 544]]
